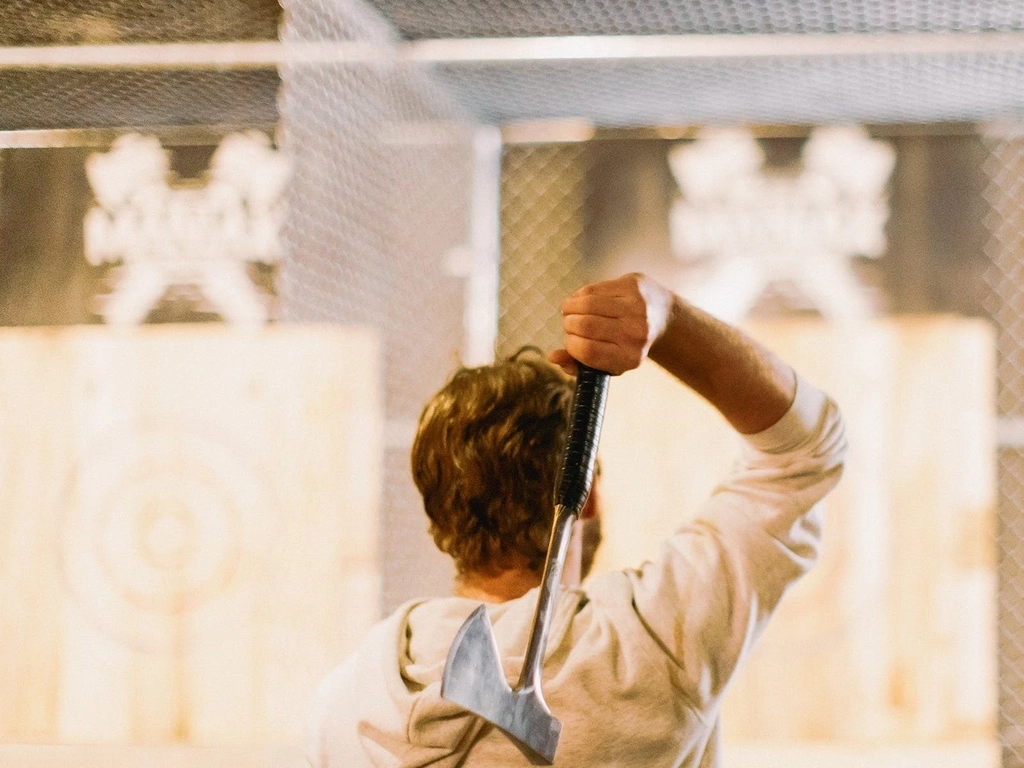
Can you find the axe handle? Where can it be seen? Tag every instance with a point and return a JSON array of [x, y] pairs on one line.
[[576, 474], [575, 478]]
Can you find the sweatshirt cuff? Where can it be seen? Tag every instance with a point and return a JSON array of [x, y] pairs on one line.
[[802, 418]]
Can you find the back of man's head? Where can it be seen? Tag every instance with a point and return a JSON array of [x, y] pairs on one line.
[[485, 459]]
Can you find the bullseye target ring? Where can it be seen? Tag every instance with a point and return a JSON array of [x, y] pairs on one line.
[[158, 529], [167, 541]]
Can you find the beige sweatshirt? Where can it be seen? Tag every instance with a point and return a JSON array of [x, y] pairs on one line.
[[636, 661]]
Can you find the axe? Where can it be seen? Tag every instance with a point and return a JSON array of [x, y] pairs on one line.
[[473, 676]]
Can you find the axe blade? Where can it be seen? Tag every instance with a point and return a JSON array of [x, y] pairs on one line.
[[473, 678]]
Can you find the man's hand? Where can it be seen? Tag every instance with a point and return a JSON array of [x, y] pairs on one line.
[[611, 325], [614, 325]]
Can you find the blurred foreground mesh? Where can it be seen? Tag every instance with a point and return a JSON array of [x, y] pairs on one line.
[[383, 151]]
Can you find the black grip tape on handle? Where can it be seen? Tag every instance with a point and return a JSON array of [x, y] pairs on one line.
[[576, 474]]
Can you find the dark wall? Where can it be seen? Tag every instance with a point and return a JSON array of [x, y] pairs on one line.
[[935, 260], [44, 276]]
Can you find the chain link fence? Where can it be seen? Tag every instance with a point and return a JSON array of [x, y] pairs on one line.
[[379, 205], [1005, 222], [494, 18], [379, 219], [43, 98], [621, 92], [381, 200], [545, 255], [544, 189], [76, 22], [144, 99]]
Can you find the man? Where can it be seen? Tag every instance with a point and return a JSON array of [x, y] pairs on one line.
[[637, 661]]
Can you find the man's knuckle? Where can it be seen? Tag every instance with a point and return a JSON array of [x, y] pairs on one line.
[[637, 330]]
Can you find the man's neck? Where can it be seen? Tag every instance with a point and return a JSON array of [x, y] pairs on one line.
[[499, 587], [510, 583]]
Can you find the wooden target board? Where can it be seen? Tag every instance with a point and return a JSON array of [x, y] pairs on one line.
[[891, 639], [187, 528]]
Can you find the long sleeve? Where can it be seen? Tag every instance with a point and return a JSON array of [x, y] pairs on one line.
[[717, 580]]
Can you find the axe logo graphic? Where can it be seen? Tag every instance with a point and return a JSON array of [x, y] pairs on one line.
[[744, 227], [196, 233]]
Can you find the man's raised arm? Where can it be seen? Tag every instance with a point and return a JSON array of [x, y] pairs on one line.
[[710, 592], [614, 325]]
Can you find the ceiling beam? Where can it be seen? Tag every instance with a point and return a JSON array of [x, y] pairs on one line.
[[264, 54]]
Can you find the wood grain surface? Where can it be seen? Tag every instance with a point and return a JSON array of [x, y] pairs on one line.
[[188, 529], [892, 637]]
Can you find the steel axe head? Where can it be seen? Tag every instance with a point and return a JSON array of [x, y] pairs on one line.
[[473, 678]]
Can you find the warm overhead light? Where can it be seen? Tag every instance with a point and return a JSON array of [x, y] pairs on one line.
[[546, 131]]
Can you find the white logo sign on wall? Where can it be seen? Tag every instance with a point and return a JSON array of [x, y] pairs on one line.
[[195, 233], [750, 227]]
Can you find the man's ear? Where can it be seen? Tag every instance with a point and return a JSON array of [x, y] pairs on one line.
[[590, 508]]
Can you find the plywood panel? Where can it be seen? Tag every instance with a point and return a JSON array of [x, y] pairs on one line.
[[188, 528], [967, 754], [177, 756], [892, 636]]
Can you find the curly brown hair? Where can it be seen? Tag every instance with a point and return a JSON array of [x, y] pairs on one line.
[[485, 459]]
